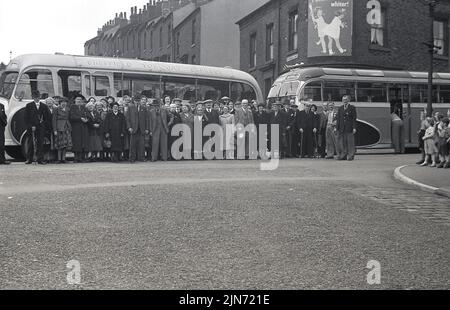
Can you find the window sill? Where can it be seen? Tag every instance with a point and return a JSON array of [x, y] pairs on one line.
[[291, 53], [252, 69], [268, 65], [376, 47], [441, 57]]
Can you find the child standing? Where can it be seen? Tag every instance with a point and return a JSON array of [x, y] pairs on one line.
[[429, 145]]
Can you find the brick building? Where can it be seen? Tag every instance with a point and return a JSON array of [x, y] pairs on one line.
[[285, 32], [186, 31]]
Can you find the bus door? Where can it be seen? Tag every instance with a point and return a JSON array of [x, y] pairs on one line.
[[74, 83], [399, 102]]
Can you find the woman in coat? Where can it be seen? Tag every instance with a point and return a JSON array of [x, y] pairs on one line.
[[80, 134], [62, 130], [94, 129], [115, 130]]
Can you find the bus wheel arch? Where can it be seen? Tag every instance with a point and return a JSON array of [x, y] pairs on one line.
[[15, 152]]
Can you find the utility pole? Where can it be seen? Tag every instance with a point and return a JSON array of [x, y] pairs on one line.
[[431, 49]]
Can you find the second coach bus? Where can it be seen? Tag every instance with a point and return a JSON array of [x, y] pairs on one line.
[[373, 92], [67, 76]]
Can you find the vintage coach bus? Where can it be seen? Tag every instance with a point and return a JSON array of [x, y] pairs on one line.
[[67, 75], [372, 92]]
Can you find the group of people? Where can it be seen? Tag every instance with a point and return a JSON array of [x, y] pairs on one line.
[[140, 129], [434, 140]]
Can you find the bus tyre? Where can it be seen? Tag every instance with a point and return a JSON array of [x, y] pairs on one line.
[[15, 152], [24, 146]]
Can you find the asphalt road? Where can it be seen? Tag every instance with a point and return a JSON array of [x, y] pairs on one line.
[[310, 224]]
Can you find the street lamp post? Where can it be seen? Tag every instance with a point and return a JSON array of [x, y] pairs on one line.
[[431, 48]]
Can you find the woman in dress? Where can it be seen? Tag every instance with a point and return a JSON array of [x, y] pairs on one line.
[[228, 128], [95, 138], [62, 130], [115, 130]]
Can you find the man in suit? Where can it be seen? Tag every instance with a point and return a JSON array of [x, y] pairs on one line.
[[293, 133], [322, 130], [346, 129], [138, 127], [261, 117], [38, 120], [279, 117], [307, 124], [211, 114], [159, 130], [3, 123]]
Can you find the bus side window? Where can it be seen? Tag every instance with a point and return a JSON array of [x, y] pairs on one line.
[[122, 85], [35, 79], [419, 93], [240, 91], [101, 86], [211, 89], [335, 90], [313, 90], [444, 93], [70, 83], [371, 92], [179, 87], [147, 85]]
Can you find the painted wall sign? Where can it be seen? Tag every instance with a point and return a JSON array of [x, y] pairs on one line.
[[374, 20], [330, 27]]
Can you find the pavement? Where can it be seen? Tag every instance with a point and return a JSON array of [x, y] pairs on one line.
[[310, 224], [425, 178]]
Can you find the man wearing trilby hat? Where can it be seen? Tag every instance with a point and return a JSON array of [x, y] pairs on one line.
[[138, 127], [159, 129]]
